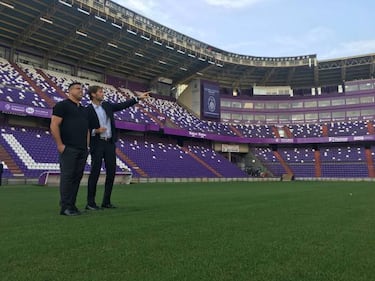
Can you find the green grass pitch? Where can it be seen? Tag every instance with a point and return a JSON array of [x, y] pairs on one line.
[[253, 231]]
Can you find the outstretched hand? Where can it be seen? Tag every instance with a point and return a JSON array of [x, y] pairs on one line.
[[144, 95]]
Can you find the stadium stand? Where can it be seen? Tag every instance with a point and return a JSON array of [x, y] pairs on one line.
[[355, 128], [349, 161], [255, 131], [306, 131], [24, 144]]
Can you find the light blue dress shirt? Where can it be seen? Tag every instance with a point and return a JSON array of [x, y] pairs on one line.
[[104, 121]]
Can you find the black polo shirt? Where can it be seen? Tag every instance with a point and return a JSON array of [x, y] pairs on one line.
[[75, 125]]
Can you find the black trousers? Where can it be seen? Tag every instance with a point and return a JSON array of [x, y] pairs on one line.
[[72, 164], [1, 172], [102, 150]]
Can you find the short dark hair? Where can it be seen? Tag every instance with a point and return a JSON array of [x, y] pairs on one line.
[[92, 90], [73, 84]]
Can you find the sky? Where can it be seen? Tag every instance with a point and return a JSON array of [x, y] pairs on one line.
[[269, 28]]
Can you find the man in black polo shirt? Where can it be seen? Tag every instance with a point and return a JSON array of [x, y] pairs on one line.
[[69, 128], [1, 171]]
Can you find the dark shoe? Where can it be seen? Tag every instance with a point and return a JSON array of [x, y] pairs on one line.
[[92, 207], [108, 206], [70, 212], [76, 210]]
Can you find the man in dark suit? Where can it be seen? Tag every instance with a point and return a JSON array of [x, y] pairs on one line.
[[102, 143]]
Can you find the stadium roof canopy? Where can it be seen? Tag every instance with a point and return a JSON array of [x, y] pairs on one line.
[[100, 34]]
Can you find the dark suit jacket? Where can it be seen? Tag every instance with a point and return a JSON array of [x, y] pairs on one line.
[[109, 108]]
